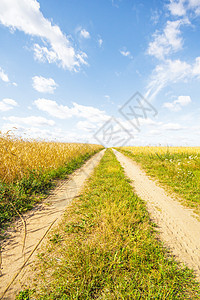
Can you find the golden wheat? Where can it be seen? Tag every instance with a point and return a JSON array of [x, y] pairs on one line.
[[18, 156], [162, 150]]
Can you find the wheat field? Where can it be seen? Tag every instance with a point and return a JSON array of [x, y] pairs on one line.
[[19, 156], [147, 150]]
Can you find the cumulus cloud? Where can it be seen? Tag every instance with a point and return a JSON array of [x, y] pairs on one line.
[[194, 5], [25, 15], [176, 105], [31, 121], [167, 42], [3, 75], [177, 8], [180, 7], [44, 85], [84, 34], [64, 112], [7, 104]]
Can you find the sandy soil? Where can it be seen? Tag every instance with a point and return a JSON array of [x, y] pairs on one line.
[[178, 226], [27, 234]]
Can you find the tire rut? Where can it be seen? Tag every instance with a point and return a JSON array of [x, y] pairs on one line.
[[17, 255], [178, 226]]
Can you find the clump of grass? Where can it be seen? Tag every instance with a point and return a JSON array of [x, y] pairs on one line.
[[176, 167], [108, 248]]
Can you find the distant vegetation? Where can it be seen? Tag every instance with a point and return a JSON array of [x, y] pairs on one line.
[[28, 168]]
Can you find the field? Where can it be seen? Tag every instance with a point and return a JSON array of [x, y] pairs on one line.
[[177, 168], [106, 245], [28, 169], [106, 248]]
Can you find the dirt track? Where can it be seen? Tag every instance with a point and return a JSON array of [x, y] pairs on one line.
[[16, 253], [177, 225]]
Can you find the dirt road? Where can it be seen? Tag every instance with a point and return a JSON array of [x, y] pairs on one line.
[[178, 227], [20, 249]]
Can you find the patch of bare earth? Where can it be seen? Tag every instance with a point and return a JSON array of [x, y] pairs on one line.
[[27, 234], [178, 226]]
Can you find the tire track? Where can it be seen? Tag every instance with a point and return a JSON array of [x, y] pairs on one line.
[[178, 226], [39, 221]]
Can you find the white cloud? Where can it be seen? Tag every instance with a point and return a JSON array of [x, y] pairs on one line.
[[155, 16], [44, 54], [44, 85], [25, 15], [167, 42], [196, 67], [172, 126], [7, 104], [86, 126], [195, 5], [100, 42], [176, 105], [93, 114], [169, 72], [177, 8], [85, 34], [53, 108], [181, 7], [31, 121], [126, 53], [3, 75], [64, 112]]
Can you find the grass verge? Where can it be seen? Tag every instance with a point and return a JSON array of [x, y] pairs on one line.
[[106, 248], [22, 195], [180, 172]]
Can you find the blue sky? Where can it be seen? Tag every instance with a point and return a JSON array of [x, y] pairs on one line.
[[66, 68]]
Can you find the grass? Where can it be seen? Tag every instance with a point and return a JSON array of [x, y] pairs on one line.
[[175, 167], [28, 171], [106, 248]]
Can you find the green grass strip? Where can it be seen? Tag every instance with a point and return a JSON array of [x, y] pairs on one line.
[[24, 194], [106, 248], [179, 171]]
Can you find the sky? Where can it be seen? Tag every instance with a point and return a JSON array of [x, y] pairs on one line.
[[114, 72]]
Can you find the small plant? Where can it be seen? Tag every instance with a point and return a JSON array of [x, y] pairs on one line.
[[56, 238], [25, 295]]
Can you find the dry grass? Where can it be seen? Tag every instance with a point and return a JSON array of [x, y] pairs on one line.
[[18, 156]]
